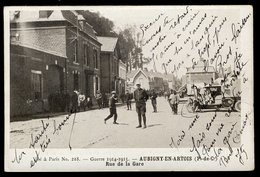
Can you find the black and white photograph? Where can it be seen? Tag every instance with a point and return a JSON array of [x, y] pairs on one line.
[[129, 88]]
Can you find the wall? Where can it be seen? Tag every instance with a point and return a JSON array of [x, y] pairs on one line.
[[140, 77], [22, 61], [105, 73], [51, 39], [86, 70]]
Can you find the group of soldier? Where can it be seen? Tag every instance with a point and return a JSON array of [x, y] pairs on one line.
[[77, 101], [140, 96]]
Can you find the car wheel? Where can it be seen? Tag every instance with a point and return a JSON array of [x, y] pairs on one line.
[[238, 106]]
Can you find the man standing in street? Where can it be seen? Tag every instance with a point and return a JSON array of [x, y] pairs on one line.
[[128, 97], [153, 99], [174, 100], [140, 97], [112, 107]]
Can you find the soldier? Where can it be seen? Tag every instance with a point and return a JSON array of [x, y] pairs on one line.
[[140, 97], [99, 99], [128, 97], [153, 99], [112, 107]]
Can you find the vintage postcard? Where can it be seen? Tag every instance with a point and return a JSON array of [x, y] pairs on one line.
[[129, 88]]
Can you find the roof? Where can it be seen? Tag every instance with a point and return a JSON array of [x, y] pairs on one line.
[[201, 69], [133, 73], [108, 43], [55, 15]]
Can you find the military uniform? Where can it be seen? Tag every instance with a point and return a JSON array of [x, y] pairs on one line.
[[154, 102], [140, 97], [128, 97], [112, 109]]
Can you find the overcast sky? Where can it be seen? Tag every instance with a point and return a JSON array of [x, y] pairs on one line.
[[138, 15]]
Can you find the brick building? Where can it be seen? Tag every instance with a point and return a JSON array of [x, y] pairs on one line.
[[122, 77], [51, 51], [109, 61]]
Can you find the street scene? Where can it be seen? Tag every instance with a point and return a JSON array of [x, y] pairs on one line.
[[101, 86], [91, 132], [129, 88]]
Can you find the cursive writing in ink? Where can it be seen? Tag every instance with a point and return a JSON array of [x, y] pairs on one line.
[[241, 154], [144, 27], [59, 127], [194, 121], [18, 158], [217, 30], [179, 18], [236, 32], [161, 38], [35, 159], [190, 21], [44, 144], [208, 125], [36, 139], [198, 26], [236, 138]]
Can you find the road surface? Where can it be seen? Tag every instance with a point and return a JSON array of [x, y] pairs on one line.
[[163, 130]]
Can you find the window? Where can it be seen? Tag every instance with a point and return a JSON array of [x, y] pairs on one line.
[[86, 61], [95, 57], [97, 83], [76, 81], [36, 84], [76, 59]]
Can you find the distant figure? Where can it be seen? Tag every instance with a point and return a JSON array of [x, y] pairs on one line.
[[174, 100], [74, 101], [112, 107], [82, 99], [128, 98], [153, 100], [89, 102], [122, 97], [104, 100], [99, 99], [165, 95], [140, 97]]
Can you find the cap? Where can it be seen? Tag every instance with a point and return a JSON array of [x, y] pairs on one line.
[[113, 92]]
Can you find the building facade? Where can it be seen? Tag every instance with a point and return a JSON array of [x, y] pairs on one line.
[[149, 80], [51, 51], [122, 77], [109, 61], [199, 75]]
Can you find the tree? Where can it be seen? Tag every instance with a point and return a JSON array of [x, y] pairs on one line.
[[103, 26], [129, 50]]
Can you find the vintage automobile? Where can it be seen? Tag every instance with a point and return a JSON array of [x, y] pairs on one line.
[[211, 97]]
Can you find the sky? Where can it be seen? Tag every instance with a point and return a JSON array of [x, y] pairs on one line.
[[157, 15]]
